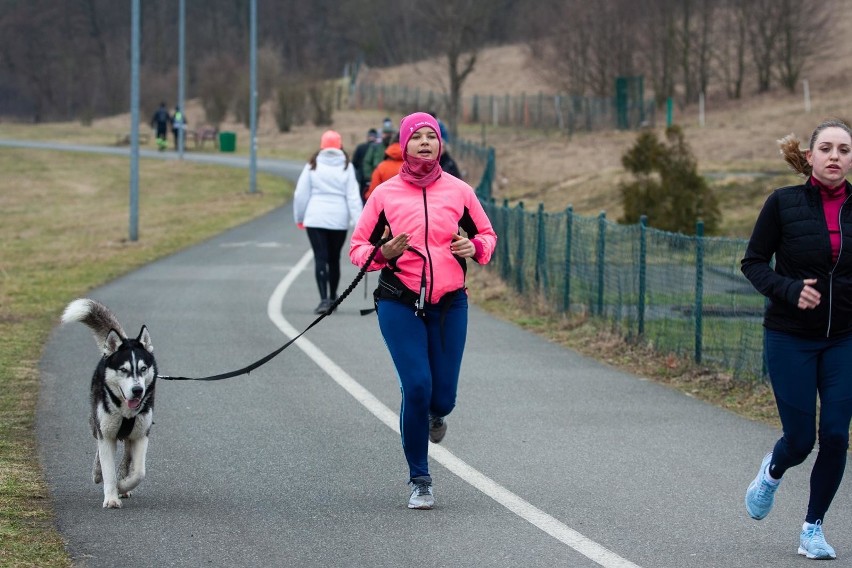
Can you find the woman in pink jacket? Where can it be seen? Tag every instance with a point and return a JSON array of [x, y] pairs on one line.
[[432, 224]]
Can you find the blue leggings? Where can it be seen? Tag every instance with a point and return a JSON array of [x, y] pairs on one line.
[[427, 354], [799, 368]]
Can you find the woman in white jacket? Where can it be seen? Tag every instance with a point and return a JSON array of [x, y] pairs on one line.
[[327, 202]]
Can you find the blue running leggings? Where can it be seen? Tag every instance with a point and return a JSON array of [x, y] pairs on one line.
[[799, 368], [427, 354]]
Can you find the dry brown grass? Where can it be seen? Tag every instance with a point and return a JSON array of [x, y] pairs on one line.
[[64, 230]]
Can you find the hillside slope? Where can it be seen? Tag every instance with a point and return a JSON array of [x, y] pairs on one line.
[[735, 147]]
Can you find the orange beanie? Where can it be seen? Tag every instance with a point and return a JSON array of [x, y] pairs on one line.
[[330, 139]]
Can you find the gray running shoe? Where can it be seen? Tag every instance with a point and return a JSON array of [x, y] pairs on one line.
[[322, 307], [421, 494], [437, 429]]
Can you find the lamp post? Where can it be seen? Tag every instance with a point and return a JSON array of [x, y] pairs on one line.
[[134, 121]]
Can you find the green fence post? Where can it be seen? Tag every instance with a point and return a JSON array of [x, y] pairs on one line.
[[519, 270], [699, 287], [505, 261], [541, 279], [643, 271], [566, 286], [601, 257], [669, 111]]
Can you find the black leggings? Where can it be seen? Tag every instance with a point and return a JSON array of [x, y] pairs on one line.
[[800, 369], [327, 244]]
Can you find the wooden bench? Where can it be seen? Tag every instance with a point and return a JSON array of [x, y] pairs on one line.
[[207, 133]]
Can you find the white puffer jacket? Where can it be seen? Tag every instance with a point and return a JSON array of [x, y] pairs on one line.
[[328, 197]]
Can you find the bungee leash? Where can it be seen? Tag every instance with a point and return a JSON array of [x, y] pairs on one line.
[[249, 368]]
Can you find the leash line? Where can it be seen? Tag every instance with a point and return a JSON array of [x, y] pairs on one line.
[[262, 361]]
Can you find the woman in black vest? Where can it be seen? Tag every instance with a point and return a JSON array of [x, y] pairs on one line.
[[808, 230]]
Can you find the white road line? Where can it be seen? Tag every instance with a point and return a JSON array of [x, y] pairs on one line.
[[530, 513]]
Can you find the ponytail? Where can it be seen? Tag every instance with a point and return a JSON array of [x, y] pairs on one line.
[[793, 155]]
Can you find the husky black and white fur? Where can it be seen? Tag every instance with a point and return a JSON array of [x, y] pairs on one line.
[[122, 399]]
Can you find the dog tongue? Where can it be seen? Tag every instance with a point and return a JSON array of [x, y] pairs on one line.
[[133, 402]]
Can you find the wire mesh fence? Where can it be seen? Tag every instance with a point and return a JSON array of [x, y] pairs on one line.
[[567, 113], [681, 294]]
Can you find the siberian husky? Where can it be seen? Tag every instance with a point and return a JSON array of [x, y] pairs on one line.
[[122, 398]]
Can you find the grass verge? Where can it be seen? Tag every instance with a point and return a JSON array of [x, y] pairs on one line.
[[64, 226]]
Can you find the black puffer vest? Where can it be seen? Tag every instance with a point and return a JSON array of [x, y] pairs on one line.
[[792, 227]]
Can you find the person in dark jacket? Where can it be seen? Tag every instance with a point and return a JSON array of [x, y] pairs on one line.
[[358, 161], [808, 320], [160, 123], [448, 164]]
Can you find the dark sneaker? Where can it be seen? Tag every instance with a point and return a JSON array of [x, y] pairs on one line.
[[437, 429], [322, 307], [421, 494]]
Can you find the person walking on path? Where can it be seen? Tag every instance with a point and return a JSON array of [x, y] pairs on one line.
[[358, 161], [376, 151], [327, 202], [178, 126], [388, 167], [808, 339], [432, 224], [160, 123]]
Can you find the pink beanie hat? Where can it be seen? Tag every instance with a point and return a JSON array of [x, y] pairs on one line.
[[416, 121], [330, 139]]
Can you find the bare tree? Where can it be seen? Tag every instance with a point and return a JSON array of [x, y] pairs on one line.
[[560, 50], [764, 22], [731, 45], [459, 29], [582, 47], [802, 29], [658, 45]]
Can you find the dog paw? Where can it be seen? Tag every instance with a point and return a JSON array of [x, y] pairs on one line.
[[97, 478], [125, 495], [112, 503]]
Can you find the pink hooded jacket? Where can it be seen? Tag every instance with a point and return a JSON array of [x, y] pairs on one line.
[[431, 215]]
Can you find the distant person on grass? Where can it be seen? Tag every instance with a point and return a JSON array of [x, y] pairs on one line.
[[421, 299], [808, 230], [326, 202]]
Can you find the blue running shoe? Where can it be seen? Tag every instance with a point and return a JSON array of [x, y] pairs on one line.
[[761, 492], [812, 543]]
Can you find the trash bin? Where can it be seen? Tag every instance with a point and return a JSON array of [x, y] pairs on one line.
[[227, 141]]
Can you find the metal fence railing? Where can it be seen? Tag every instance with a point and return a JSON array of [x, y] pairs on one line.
[[544, 111], [682, 294]]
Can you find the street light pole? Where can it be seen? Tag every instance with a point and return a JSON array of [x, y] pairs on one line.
[[253, 98], [134, 121], [181, 74]]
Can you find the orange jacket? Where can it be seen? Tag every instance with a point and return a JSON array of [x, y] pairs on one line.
[[388, 168]]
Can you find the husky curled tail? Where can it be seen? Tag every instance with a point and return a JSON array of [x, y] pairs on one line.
[[122, 398]]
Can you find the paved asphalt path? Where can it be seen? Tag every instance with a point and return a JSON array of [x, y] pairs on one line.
[[583, 465]]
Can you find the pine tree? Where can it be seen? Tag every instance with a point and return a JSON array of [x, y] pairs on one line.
[[667, 187]]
